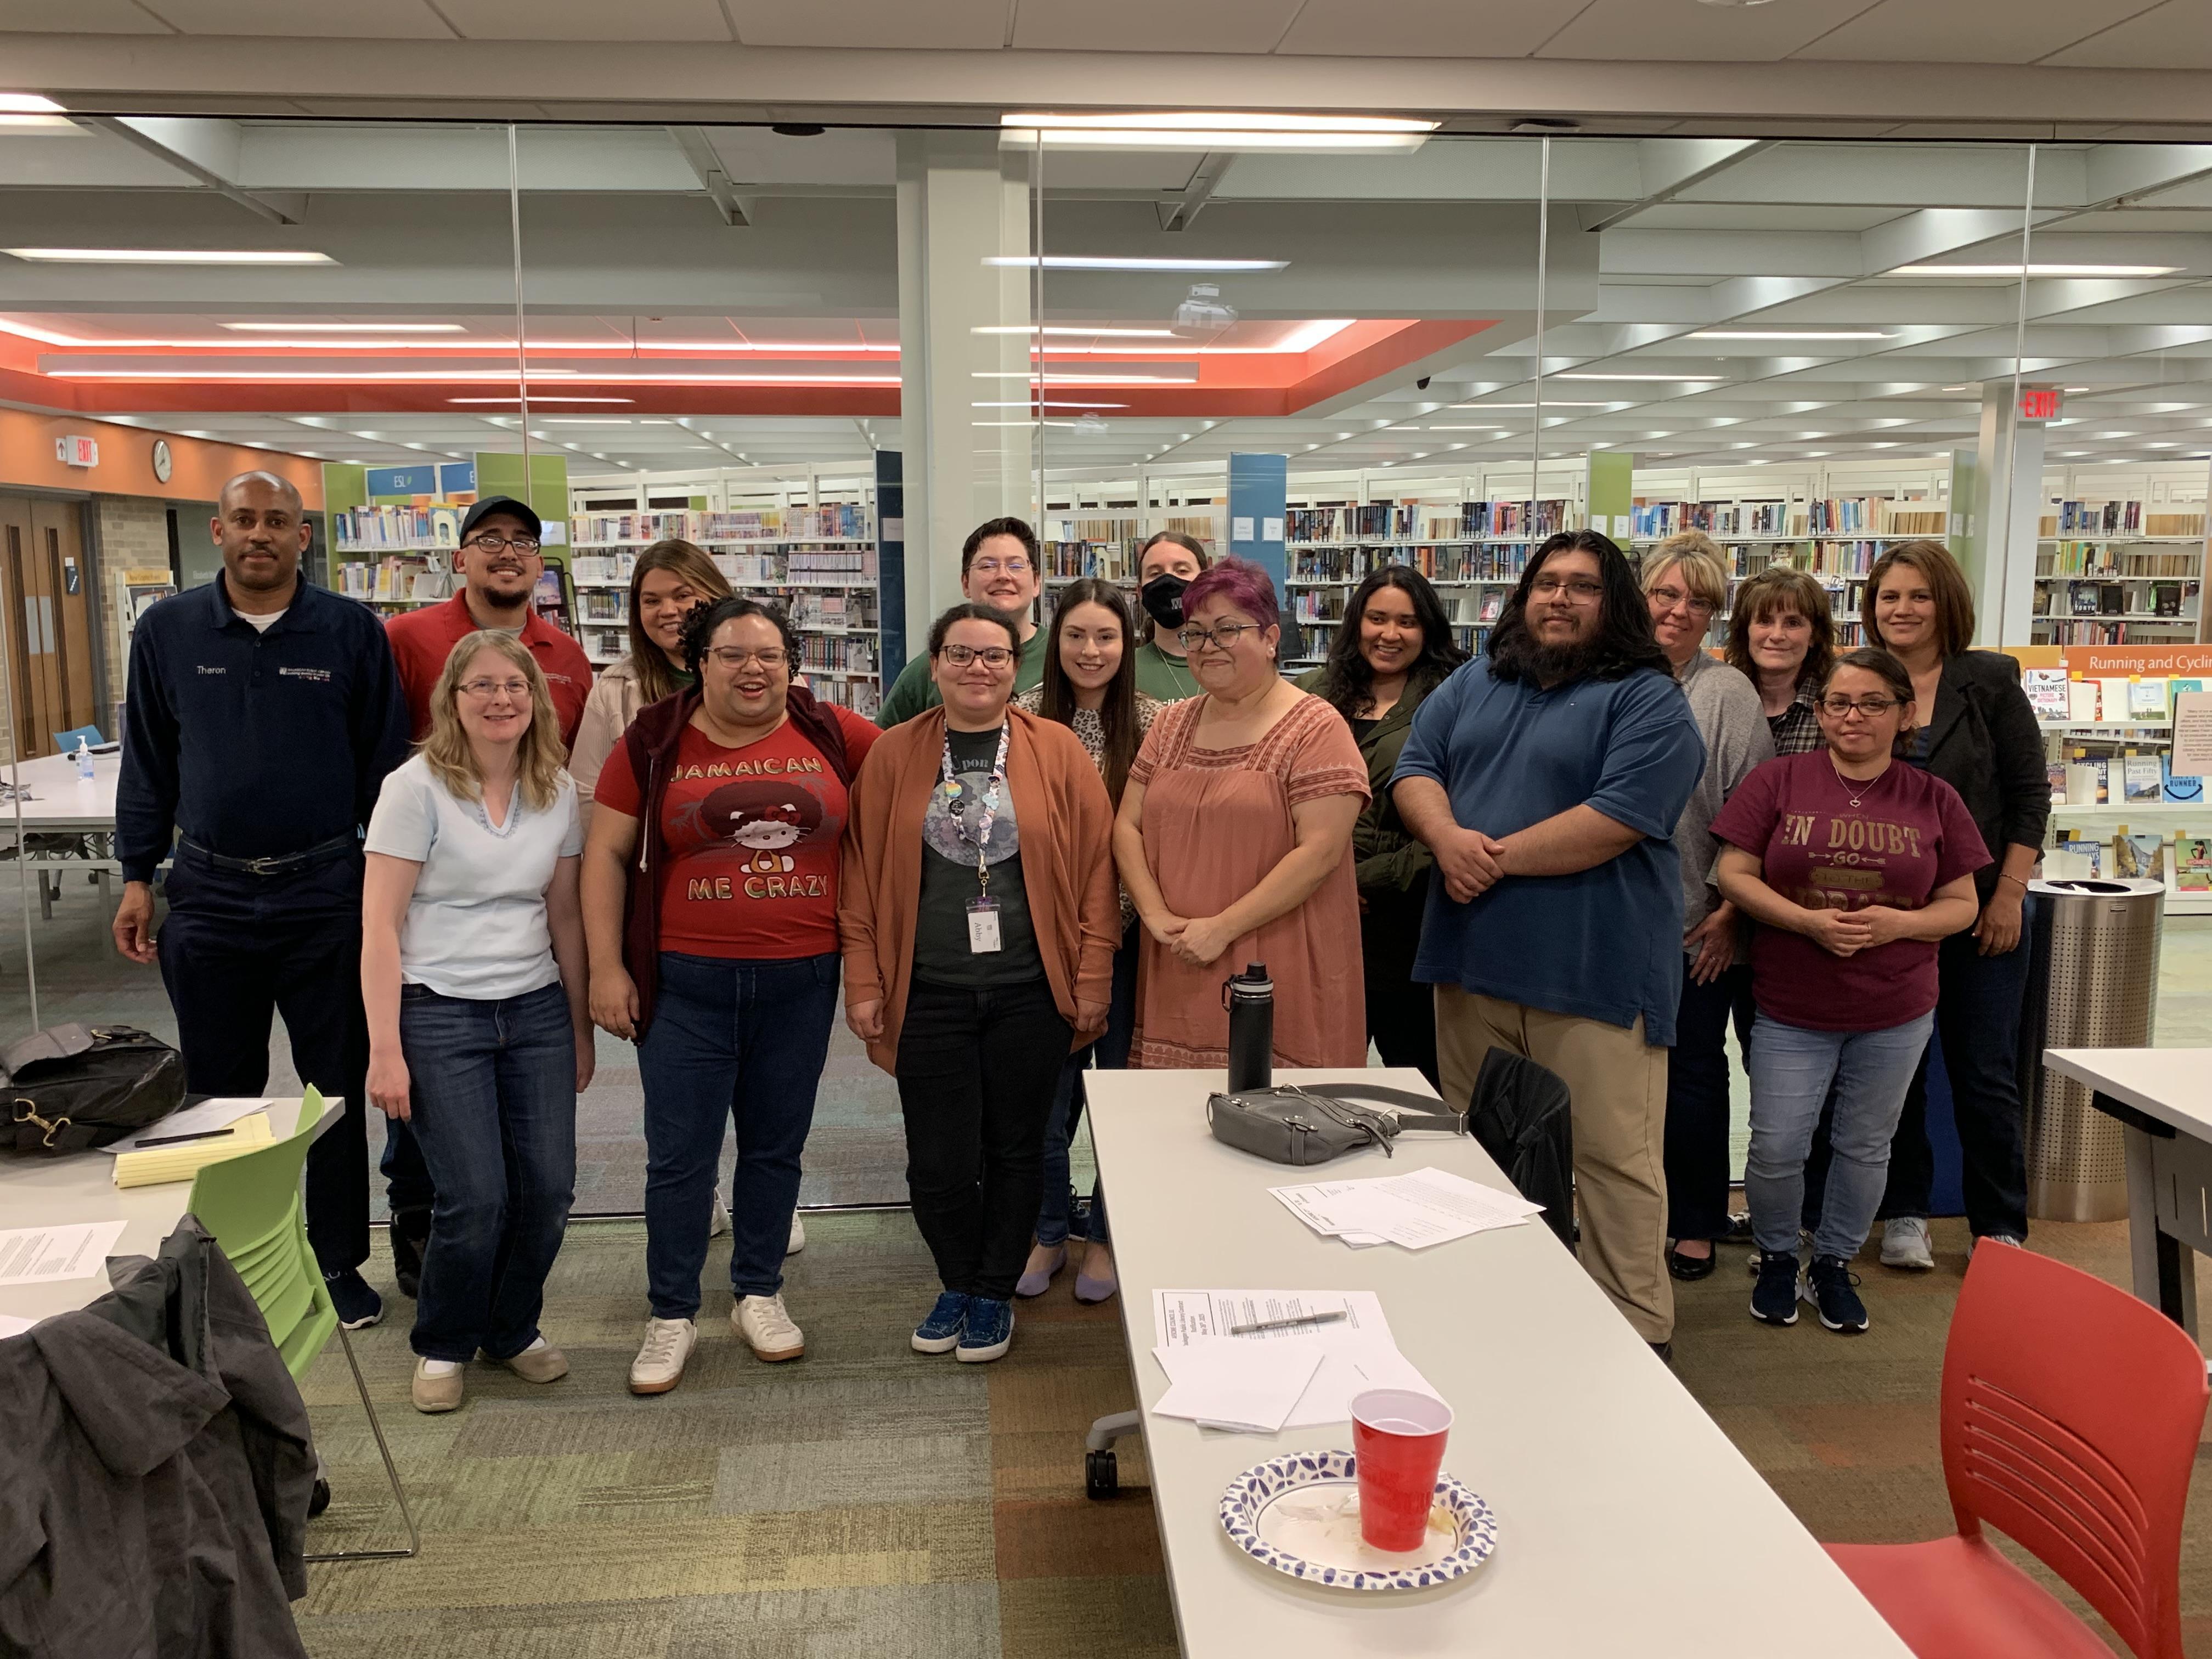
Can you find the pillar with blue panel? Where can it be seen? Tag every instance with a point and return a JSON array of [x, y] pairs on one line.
[[1259, 489]]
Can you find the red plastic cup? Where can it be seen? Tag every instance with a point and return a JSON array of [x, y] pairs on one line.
[[1398, 1440]]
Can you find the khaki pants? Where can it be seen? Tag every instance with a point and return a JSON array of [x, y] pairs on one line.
[[1619, 1087]]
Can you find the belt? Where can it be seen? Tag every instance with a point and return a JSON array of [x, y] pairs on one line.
[[287, 864]]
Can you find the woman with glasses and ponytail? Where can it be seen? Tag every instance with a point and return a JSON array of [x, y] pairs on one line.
[[1857, 864]]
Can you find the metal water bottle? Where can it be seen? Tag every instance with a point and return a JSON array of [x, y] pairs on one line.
[[1250, 997]]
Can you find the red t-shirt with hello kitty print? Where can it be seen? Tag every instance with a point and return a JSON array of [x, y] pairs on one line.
[[753, 838]]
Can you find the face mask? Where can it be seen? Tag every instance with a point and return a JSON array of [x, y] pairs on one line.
[[1162, 598]]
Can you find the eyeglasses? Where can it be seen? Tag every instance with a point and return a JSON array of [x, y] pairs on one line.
[[994, 566], [731, 656], [1222, 635], [525, 545], [518, 689], [991, 656], [1578, 589], [1668, 597], [1873, 708]]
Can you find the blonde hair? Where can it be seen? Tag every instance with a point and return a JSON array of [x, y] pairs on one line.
[[1703, 568], [540, 755]]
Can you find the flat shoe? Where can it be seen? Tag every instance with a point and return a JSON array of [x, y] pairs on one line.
[[435, 1394], [1038, 1282], [1088, 1289], [1689, 1267], [545, 1364]]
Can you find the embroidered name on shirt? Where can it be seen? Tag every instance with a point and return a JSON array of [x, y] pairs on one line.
[[316, 674], [210, 668], [771, 767]]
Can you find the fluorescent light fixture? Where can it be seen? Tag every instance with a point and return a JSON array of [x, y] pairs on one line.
[[1113, 262], [29, 103], [1549, 403], [1080, 333], [169, 256], [535, 399], [1033, 403], [1083, 376], [345, 328], [1789, 334], [2032, 271], [56, 124], [1685, 379], [1240, 121], [1213, 138], [2161, 446]]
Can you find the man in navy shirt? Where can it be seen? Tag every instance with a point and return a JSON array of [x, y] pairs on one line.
[[1546, 776], [263, 715]]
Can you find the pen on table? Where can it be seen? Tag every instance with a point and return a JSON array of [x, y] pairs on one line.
[[172, 1140], [1288, 1324]]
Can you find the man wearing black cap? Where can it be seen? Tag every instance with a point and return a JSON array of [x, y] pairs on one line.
[[500, 564], [263, 715]]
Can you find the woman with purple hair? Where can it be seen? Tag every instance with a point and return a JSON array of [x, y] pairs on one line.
[[1234, 840]]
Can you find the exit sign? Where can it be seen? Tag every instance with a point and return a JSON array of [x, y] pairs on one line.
[[2039, 403], [77, 452]]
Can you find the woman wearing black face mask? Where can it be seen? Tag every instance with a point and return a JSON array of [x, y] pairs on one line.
[[1170, 563]]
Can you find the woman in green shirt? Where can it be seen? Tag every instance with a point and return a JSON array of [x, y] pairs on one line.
[[1170, 562]]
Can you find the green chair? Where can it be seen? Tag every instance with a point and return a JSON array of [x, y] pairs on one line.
[[251, 1205]]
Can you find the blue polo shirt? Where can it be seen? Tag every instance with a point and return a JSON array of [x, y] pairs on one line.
[[1605, 943], [254, 743]]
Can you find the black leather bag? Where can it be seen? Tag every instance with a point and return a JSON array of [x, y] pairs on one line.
[[73, 1086]]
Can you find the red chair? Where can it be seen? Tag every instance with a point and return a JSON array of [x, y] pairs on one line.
[[2071, 1413]]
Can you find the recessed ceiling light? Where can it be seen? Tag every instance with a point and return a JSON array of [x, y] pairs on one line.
[[31, 103], [169, 256], [2032, 271], [2161, 446], [345, 328], [1111, 262], [1688, 380], [1789, 334], [1052, 404], [1081, 334]]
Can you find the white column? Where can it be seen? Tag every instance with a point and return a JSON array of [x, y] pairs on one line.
[[960, 202], [2006, 513]]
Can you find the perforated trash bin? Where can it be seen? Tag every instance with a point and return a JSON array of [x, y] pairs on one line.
[[2094, 985]]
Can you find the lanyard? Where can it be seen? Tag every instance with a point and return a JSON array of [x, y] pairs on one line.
[[990, 815]]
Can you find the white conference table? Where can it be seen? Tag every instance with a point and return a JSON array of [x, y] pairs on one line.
[[1628, 1522], [2163, 1098], [39, 1191], [64, 804]]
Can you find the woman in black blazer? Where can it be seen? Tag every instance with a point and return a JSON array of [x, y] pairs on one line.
[[1981, 737]]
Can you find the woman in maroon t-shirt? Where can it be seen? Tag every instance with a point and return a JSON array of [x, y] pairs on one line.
[[1854, 864]]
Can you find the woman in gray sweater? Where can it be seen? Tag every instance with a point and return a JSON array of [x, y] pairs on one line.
[[1685, 584]]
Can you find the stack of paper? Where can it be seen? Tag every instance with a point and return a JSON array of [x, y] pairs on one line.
[[1238, 1382], [1232, 1383], [1417, 1209], [152, 1165], [44, 1255]]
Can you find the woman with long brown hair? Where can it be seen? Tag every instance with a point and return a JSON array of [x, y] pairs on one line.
[[1781, 637], [1089, 685]]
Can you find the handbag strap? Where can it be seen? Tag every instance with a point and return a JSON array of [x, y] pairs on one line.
[[1415, 1111]]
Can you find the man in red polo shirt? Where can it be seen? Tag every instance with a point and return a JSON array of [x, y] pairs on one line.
[[500, 564]]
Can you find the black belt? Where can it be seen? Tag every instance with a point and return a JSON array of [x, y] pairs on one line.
[[287, 864]]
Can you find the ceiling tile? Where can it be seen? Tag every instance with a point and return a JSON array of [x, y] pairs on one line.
[[1675, 31], [1962, 32], [1165, 25], [587, 20], [970, 25], [1429, 28], [85, 18], [365, 20], [2177, 35]]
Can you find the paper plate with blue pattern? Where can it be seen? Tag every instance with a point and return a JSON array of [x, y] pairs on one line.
[[1299, 1514]]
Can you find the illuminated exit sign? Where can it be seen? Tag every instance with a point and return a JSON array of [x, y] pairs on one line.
[[77, 452], [2039, 403]]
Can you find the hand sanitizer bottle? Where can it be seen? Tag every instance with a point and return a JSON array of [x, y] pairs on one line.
[[83, 758]]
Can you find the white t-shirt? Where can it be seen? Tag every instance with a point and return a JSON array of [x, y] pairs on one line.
[[476, 927]]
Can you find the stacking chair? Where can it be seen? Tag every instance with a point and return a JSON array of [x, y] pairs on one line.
[[65, 742], [2070, 1417], [250, 1204]]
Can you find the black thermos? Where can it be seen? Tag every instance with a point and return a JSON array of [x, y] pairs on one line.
[[1251, 998]]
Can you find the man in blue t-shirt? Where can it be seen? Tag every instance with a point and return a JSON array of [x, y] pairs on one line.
[[1546, 776]]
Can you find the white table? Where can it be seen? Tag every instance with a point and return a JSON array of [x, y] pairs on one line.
[[64, 804], [81, 1188], [2163, 1099], [1628, 1522]]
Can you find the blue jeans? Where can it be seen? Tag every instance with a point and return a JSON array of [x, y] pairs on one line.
[[1109, 1053], [729, 1038], [494, 1099], [1791, 1069]]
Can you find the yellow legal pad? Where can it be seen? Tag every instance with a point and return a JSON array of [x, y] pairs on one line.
[[155, 1164]]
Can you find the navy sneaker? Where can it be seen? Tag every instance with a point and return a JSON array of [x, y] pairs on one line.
[[1828, 1285], [989, 1331], [940, 1332], [356, 1303], [1774, 1298]]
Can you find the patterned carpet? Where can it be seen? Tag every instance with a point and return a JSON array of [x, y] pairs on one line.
[[870, 1501]]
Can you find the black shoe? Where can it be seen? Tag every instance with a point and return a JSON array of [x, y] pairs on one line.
[[318, 1498], [1665, 1353], [1689, 1267], [357, 1306], [1828, 1284], [1774, 1298], [410, 1232], [1739, 1230]]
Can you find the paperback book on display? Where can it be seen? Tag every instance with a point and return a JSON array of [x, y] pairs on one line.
[[2047, 693], [2140, 857], [2192, 864]]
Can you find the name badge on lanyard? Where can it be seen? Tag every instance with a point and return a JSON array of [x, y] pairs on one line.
[[982, 910]]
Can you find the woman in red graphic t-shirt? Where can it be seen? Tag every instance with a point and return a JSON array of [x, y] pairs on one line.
[[1856, 864], [710, 909]]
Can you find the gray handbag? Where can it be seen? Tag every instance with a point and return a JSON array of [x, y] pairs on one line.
[[1288, 1124]]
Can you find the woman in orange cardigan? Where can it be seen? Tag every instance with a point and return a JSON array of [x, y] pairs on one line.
[[978, 915]]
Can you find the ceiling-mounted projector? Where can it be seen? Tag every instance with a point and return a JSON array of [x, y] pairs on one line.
[[1203, 309], [1090, 424]]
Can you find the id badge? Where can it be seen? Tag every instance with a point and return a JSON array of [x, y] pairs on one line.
[[982, 926]]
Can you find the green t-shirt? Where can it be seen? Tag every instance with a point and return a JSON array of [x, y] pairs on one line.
[[1158, 675], [914, 690]]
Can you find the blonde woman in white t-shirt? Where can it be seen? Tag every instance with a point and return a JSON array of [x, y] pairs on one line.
[[473, 972]]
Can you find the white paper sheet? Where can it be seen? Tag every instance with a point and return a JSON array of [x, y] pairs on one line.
[[45, 1255], [1417, 1209], [1356, 1353], [219, 1112], [1231, 1383], [11, 1326]]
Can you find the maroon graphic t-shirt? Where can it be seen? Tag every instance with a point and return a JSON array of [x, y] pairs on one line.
[[1909, 835], [752, 836]]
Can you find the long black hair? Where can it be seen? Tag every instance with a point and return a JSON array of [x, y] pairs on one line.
[[1117, 714], [1623, 642], [1347, 677]]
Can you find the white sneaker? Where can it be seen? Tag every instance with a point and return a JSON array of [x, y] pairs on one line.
[[761, 1320], [797, 1236], [720, 1224], [1905, 1244], [658, 1366]]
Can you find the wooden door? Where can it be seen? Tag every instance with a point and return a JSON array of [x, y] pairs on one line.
[[61, 550], [46, 588]]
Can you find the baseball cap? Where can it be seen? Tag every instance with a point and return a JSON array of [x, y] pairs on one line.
[[491, 504]]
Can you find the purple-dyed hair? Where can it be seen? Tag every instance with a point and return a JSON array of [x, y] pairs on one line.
[[1245, 585]]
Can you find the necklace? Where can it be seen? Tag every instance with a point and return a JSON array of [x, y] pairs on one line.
[[1856, 789]]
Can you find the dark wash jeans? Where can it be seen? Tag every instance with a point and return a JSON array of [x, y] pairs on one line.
[[731, 1039], [494, 1099], [1698, 1101], [977, 1071], [1109, 1053]]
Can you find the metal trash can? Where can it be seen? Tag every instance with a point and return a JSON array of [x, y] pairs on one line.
[[2093, 984]]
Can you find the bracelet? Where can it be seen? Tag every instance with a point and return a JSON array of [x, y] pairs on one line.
[[2003, 875]]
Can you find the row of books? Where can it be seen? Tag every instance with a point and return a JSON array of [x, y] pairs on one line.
[[2062, 695], [2138, 777], [847, 610], [855, 654], [2078, 631], [1113, 561], [829, 521], [2117, 517], [374, 529], [763, 570], [2183, 862], [2116, 598], [2123, 559], [1658, 519], [391, 580]]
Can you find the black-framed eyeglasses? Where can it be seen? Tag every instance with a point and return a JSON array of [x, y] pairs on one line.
[[993, 656], [1873, 708], [496, 543], [1580, 589], [1222, 635]]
